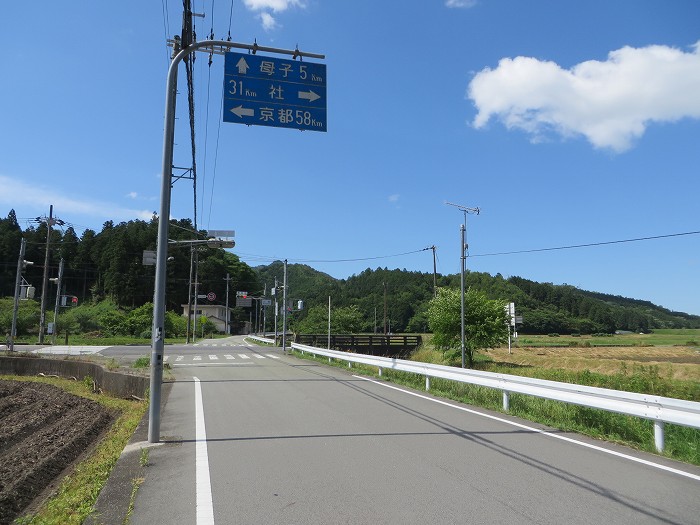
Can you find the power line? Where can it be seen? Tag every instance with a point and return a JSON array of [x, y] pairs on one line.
[[588, 245], [267, 258]]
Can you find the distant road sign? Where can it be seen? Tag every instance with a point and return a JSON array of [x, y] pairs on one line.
[[211, 296], [270, 91]]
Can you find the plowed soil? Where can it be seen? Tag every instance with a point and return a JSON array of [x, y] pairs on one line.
[[43, 430]]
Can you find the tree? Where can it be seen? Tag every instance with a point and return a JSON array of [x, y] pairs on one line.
[[485, 322], [344, 320]]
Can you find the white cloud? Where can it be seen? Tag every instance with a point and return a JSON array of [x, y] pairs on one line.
[[132, 195], [268, 21], [460, 3], [15, 193], [274, 5], [610, 103], [394, 197]]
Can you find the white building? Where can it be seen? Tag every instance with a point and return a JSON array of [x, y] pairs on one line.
[[213, 312]]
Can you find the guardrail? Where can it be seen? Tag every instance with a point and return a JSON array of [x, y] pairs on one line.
[[658, 409]]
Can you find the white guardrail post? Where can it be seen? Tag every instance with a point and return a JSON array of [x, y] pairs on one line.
[[658, 409]]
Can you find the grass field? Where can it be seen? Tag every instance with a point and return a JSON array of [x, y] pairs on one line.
[[688, 337]]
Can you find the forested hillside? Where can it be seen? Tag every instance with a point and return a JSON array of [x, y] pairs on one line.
[[108, 265], [545, 307]]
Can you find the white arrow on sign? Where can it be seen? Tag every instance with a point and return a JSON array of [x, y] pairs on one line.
[[241, 112], [242, 66], [309, 95]]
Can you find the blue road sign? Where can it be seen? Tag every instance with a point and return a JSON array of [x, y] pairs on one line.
[[270, 91]]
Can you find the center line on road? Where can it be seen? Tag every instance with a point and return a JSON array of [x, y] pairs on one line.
[[205, 507]]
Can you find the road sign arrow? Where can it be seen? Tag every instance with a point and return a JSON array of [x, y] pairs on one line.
[[241, 112], [242, 66], [309, 95]]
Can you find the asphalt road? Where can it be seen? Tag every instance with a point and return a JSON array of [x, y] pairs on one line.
[[282, 440]]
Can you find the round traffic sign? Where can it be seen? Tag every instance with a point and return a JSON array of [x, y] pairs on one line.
[[211, 296]]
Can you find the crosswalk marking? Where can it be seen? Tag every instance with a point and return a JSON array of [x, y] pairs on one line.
[[182, 360]]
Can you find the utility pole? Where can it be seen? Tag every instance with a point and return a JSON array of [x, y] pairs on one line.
[[228, 279], [433, 247], [45, 280], [189, 296], [463, 261], [329, 322], [21, 264], [276, 308], [284, 305], [58, 297], [196, 292], [384, 283]]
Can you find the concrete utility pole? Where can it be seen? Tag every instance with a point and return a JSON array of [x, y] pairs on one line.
[[21, 263], [158, 337], [463, 264], [284, 306], [58, 297], [45, 280], [433, 247], [228, 280]]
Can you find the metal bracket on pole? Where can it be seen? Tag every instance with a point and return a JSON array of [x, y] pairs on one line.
[[158, 332]]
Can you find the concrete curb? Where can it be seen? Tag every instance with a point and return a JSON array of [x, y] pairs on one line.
[[112, 506]]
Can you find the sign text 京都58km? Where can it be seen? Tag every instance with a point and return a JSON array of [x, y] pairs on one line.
[[270, 91]]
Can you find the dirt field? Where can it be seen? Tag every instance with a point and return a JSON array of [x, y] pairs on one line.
[[677, 362], [43, 430]]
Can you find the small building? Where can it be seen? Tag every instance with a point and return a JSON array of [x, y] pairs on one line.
[[215, 313]]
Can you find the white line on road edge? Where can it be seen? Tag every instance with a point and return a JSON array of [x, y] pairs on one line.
[[540, 431], [205, 507]]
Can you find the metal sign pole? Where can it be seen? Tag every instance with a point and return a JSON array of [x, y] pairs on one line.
[[158, 332]]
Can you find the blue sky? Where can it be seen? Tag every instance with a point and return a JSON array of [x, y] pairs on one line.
[[565, 122]]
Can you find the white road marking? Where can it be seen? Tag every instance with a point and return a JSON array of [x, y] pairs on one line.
[[213, 357], [273, 356], [197, 358], [540, 431], [205, 507], [70, 350], [215, 364], [229, 356], [258, 356], [179, 358], [243, 356], [165, 359]]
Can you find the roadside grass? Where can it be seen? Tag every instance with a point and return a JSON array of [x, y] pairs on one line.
[[681, 443], [78, 491], [89, 340], [660, 337]]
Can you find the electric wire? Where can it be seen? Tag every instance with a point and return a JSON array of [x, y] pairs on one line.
[[358, 259], [587, 245], [166, 27], [230, 18], [216, 156]]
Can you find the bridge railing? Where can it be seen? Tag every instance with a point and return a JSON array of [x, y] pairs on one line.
[[658, 409]]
